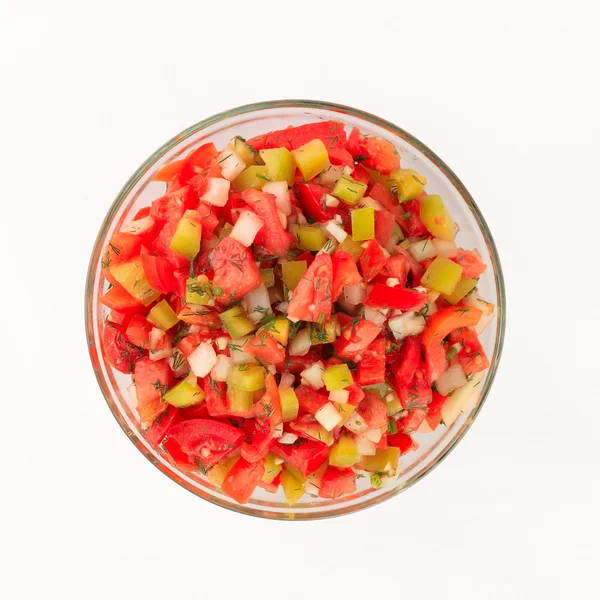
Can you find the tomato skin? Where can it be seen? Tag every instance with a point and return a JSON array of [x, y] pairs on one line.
[[310, 400], [396, 297], [310, 196], [242, 479], [167, 172], [311, 300], [354, 142], [331, 133], [471, 356], [151, 378], [404, 369], [340, 156], [273, 486], [138, 331], [206, 440], [372, 409], [361, 174], [471, 263], [235, 270], [181, 459], [372, 260], [337, 482], [266, 348], [121, 248], [371, 369], [344, 272], [439, 326], [304, 455], [402, 441], [159, 272], [118, 298], [356, 338], [119, 352], [434, 410], [157, 432], [272, 236], [384, 227], [198, 160]]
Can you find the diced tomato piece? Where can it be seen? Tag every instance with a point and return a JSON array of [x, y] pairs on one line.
[[472, 264], [268, 408], [384, 227], [330, 132], [272, 236], [235, 270], [400, 440], [311, 197], [296, 364], [261, 440], [356, 394], [121, 248], [167, 172], [381, 194], [434, 410], [206, 440], [162, 243], [138, 331], [199, 160], [309, 257], [410, 356], [119, 298], [340, 156], [310, 400], [311, 300], [196, 411], [440, 324], [381, 155], [208, 219], [344, 272], [337, 482], [159, 272], [361, 174], [206, 317], [242, 479], [273, 486], [413, 226], [156, 433], [142, 213], [152, 380], [371, 368], [372, 260], [396, 266], [304, 455], [472, 356], [412, 421], [120, 353], [414, 267], [417, 394], [355, 338], [179, 457], [373, 410], [396, 297], [265, 348]]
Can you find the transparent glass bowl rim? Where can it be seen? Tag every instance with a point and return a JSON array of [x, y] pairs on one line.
[[359, 114]]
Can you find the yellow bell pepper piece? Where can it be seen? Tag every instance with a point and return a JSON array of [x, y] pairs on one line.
[[268, 277], [280, 164], [310, 237], [437, 218], [162, 316], [184, 394], [292, 272], [289, 404], [218, 473], [337, 377], [239, 400], [246, 152], [349, 190], [385, 460], [132, 277], [324, 333], [188, 235], [236, 322], [278, 328], [292, 488], [271, 469], [354, 248], [198, 290], [442, 275], [363, 224], [311, 158], [251, 177], [344, 453], [463, 287], [409, 183], [247, 377]]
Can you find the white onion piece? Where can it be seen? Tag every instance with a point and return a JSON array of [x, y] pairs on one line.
[[373, 434], [217, 191], [332, 202], [222, 367], [445, 248], [133, 395], [280, 190], [302, 219], [156, 338], [451, 379], [375, 316], [364, 446], [392, 281], [347, 170], [371, 203], [339, 396], [300, 345], [246, 228], [282, 218], [484, 321], [231, 164], [194, 329], [312, 485], [409, 323], [355, 423], [282, 307], [287, 380], [178, 363], [336, 231], [355, 294], [257, 303], [422, 250], [237, 353], [475, 300], [138, 226], [329, 177], [312, 375], [221, 342], [328, 416], [463, 399], [288, 438], [202, 359]]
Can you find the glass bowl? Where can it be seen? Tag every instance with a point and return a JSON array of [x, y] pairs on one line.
[[249, 121]]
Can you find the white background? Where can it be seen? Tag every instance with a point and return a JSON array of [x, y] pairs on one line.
[[506, 93]]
